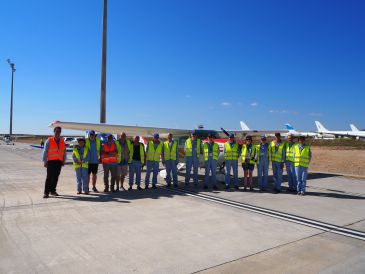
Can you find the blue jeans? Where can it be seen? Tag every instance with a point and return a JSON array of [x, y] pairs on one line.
[[278, 175], [262, 174], [210, 166], [290, 170], [82, 179], [171, 167], [301, 173], [191, 162], [135, 168], [152, 166], [234, 165]]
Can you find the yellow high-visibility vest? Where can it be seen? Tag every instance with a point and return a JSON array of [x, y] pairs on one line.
[[289, 152], [167, 153], [75, 152], [119, 148], [152, 153], [215, 152], [252, 155], [301, 158], [141, 151], [230, 153], [276, 156], [189, 147], [98, 145]]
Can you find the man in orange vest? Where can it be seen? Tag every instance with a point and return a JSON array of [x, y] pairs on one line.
[[54, 156], [109, 159]]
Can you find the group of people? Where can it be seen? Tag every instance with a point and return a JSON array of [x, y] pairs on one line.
[[120, 156]]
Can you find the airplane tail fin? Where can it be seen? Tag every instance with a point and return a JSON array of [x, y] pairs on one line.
[[320, 127], [353, 127], [244, 127], [289, 127]]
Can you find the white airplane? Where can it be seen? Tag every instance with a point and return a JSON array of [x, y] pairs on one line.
[[270, 133], [354, 128], [295, 133], [353, 133]]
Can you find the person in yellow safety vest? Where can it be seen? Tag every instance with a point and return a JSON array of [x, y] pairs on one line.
[[289, 163], [262, 159], [54, 157], [93, 144], [277, 155], [231, 153], [109, 158], [248, 155], [124, 147], [170, 159], [192, 150], [154, 150], [137, 159], [81, 157], [302, 158], [211, 153]]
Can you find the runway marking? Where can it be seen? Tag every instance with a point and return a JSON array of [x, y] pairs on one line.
[[275, 214]]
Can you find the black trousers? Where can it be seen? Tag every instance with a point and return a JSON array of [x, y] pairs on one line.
[[53, 171]]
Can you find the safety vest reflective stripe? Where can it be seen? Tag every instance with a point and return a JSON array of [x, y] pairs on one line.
[[290, 152], [98, 145], [244, 155], [169, 154], [231, 153], [189, 147], [214, 151], [301, 158], [141, 151], [152, 154], [109, 155], [56, 152], [276, 156], [77, 155]]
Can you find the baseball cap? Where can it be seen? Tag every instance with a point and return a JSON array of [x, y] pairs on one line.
[[91, 132], [156, 135], [263, 136], [231, 135], [193, 132]]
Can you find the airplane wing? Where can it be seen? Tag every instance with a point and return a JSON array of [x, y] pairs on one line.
[[117, 129]]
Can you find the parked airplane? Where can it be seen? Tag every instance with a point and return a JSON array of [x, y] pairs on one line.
[[354, 128], [353, 133]]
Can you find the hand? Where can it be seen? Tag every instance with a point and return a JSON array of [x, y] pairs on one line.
[[45, 164], [282, 166]]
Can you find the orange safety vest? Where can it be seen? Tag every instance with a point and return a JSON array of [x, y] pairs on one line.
[[109, 155], [56, 152]]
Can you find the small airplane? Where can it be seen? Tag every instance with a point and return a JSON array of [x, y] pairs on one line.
[[354, 133]]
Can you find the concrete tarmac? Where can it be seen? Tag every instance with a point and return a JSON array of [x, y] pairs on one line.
[[164, 231]]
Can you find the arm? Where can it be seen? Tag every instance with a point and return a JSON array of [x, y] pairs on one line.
[[45, 153]]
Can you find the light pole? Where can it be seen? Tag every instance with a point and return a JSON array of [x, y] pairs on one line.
[[103, 68], [12, 65]]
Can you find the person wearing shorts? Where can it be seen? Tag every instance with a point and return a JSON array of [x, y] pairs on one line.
[[93, 144], [124, 147]]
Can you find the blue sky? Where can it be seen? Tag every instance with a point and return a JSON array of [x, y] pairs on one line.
[[184, 63]]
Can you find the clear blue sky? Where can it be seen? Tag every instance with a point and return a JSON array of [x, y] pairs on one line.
[[184, 63]]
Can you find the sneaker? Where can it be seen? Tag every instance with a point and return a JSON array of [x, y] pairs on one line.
[[175, 185], [154, 186], [45, 196], [227, 187], [168, 185], [186, 184], [245, 188], [54, 193], [86, 193], [206, 187], [215, 187], [139, 188], [146, 187], [94, 189], [78, 193], [236, 187], [251, 188], [130, 188], [298, 193], [302, 193], [106, 189]]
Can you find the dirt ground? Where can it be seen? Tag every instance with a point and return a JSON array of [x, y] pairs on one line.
[[344, 161]]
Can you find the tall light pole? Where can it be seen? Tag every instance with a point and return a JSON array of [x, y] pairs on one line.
[[12, 65], [103, 68]]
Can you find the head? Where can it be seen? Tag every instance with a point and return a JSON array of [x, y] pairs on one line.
[[169, 137], [136, 140], [231, 138], [210, 139], [110, 139], [301, 140], [263, 139], [81, 142], [92, 135], [248, 140], [193, 135], [290, 139], [278, 137], [156, 137], [123, 136], [57, 132]]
